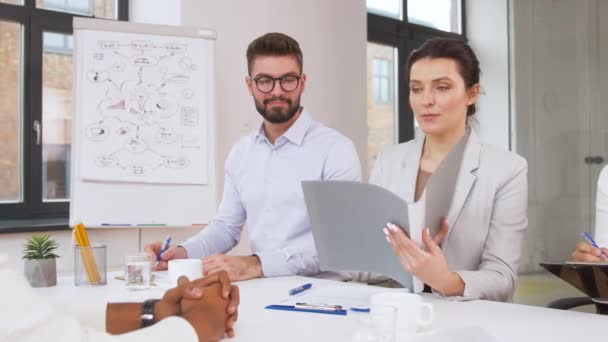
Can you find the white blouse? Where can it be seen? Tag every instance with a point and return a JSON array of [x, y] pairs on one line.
[[601, 209]]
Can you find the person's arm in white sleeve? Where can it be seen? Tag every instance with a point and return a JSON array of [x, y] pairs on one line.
[[288, 261], [342, 162], [28, 317], [224, 231], [601, 209], [584, 250]]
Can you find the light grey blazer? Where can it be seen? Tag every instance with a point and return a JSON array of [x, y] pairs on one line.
[[487, 218]]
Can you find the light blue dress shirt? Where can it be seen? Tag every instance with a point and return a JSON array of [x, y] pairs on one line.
[[263, 188]]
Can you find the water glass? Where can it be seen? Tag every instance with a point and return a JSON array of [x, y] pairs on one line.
[[384, 321], [137, 271]]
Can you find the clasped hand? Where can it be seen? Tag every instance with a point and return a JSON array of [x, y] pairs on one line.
[[209, 304]]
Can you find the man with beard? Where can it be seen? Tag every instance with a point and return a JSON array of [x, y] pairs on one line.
[[264, 172]]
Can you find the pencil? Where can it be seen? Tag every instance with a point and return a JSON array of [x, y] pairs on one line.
[[86, 254]]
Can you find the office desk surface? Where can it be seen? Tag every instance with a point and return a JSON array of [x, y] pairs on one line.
[[503, 322]]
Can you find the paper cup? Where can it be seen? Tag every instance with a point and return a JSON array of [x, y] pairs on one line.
[[191, 268]]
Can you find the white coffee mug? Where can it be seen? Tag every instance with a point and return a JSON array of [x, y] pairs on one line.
[[413, 315], [191, 268]]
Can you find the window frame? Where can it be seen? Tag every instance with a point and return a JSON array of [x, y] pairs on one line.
[[405, 37], [34, 22], [380, 77]]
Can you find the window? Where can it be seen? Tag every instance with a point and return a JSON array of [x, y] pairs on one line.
[[387, 8], [11, 112], [381, 105], [36, 102], [394, 29], [90, 8], [56, 115], [382, 81], [443, 15], [57, 43]]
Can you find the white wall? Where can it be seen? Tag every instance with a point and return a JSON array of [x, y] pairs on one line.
[[333, 37], [560, 92], [489, 37]]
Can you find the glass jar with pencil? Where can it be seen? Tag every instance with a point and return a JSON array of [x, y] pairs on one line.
[[89, 260]]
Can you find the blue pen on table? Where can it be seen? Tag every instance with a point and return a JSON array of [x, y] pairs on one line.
[[587, 236], [314, 308], [300, 289], [164, 247]]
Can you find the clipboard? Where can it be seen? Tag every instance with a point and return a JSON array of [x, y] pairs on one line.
[[590, 278], [349, 297]]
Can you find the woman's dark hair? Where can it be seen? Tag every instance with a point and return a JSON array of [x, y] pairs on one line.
[[457, 50]]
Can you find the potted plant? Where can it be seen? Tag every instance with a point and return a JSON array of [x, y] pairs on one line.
[[39, 261]]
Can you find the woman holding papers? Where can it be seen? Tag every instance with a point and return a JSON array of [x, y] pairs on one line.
[[585, 251], [476, 253]]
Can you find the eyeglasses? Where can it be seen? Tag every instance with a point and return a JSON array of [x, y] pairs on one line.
[[266, 84]]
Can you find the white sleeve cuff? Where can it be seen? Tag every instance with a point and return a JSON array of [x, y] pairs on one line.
[[193, 248], [274, 264], [466, 295], [169, 329]]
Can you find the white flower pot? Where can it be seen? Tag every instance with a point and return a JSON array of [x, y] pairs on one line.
[[41, 272]]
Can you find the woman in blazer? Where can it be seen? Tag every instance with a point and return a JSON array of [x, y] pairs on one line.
[[477, 250]]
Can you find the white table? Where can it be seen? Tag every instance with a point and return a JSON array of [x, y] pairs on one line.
[[504, 322]]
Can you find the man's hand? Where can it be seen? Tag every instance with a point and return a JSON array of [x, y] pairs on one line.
[[238, 267], [207, 325], [125, 317], [212, 286], [214, 313], [228, 291], [212, 299], [173, 252], [585, 252], [171, 303]]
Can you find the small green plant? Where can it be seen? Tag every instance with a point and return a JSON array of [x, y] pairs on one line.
[[40, 247]]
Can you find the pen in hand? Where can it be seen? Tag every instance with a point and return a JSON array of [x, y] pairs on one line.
[[588, 237], [164, 247]]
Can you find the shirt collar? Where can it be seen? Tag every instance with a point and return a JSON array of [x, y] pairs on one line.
[[296, 132]]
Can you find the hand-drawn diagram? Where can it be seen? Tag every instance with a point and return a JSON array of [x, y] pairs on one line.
[[142, 117]]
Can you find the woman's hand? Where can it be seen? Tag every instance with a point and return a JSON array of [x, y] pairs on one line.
[[430, 265], [585, 252]]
